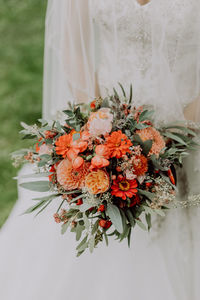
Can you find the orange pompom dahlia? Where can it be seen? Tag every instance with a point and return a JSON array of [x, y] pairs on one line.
[[118, 144], [151, 133], [68, 177], [124, 188], [140, 165], [97, 182]]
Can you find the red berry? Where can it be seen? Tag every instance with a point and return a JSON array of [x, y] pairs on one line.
[[101, 208], [79, 202], [104, 223]]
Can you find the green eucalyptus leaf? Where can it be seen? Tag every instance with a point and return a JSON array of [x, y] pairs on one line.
[[115, 216], [34, 207], [37, 186], [148, 220], [95, 226], [86, 222], [91, 243], [65, 226], [174, 137], [83, 242], [141, 225], [130, 217], [79, 230], [147, 194], [46, 198]]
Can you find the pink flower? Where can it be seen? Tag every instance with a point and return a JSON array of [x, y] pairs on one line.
[[100, 122], [45, 149]]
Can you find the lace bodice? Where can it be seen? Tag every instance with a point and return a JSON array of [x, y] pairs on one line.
[[132, 33]]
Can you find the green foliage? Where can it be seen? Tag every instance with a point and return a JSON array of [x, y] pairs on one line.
[[21, 65]]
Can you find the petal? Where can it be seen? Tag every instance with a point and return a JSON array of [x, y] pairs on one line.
[[129, 194], [72, 154]]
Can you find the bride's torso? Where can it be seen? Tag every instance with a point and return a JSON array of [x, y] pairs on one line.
[[134, 42]]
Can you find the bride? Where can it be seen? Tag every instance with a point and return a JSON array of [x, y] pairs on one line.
[[90, 46]]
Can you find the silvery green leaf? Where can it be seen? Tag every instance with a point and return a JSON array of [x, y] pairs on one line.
[[174, 137], [130, 217], [34, 175], [86, 222], [43, 208], [148, 220], [147, 194], [160, 212], [34, 207], [76, 198], [95, 226], [146, 115], [185, 129], [65, 227], [20, 152], [83, 242], [91, 243], [76, 136], [84, 207], [37, 186], [106, 238], [46, 198], [79, 230], [141, 126], [58, 126], [43, 122], [148, 210], [142, 226], [115, 216]]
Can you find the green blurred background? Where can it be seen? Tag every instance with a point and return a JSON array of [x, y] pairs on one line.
[[21, 68]]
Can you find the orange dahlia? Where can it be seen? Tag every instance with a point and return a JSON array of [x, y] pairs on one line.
[[124, 188], [140, 165], [151, 133], [97, 182], [68, 177], [118, 144], [66, 147]]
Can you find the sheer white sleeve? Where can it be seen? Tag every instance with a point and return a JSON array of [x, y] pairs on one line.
[[69, 62]]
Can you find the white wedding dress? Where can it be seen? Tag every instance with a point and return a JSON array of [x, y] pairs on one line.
[[155, 47]]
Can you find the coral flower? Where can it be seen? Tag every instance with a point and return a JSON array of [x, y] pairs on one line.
[[66, 147], [100, 160], [97, 182], [124, 188], [100, 122], [68, 177], [140, 165], [151, 133], [118, 144]]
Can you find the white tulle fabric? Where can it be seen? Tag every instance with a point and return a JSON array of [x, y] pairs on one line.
[[89, 47]]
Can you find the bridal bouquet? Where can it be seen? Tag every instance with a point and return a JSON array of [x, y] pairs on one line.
[[107, 166]]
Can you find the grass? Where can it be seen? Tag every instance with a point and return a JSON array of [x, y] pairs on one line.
[[21, 67]]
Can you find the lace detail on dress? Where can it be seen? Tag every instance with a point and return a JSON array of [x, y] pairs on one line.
[[128, 25]]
